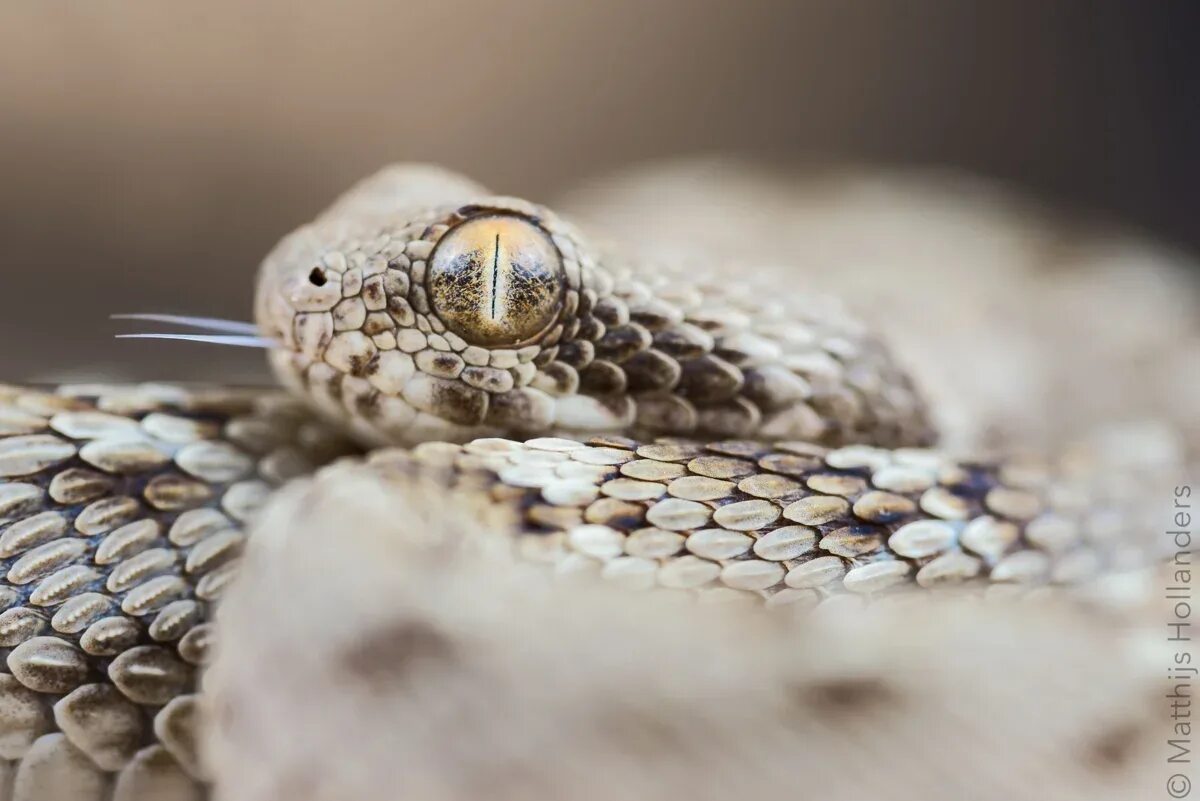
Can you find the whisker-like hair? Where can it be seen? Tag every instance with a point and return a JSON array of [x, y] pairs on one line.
[[203, 323], [212, 339]]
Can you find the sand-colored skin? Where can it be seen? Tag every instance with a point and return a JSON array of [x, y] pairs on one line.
[[653, 428]]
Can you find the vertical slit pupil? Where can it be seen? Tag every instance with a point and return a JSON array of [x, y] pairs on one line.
[[495, 275], [486, 302]]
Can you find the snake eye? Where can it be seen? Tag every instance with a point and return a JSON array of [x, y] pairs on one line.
[[496, 280]]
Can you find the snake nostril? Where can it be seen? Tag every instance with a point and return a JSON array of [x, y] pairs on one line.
[[317, 277]]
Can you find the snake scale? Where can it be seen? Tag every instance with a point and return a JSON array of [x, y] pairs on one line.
[[657, 428]]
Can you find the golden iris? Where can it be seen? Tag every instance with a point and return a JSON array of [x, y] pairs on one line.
[[496, 280]]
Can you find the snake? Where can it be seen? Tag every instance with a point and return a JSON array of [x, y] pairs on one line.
[[659, 427]]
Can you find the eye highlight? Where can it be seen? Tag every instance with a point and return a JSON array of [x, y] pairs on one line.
[[496, 280]]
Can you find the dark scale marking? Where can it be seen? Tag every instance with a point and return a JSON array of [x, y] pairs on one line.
[[1114, 749], [847, 695], [384, 657]]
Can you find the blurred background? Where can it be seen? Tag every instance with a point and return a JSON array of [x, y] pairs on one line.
[[152, 153]]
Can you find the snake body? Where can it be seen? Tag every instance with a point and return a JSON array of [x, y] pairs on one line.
[[677, 431]]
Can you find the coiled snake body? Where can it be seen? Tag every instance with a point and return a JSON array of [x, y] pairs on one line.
[[661, 429]]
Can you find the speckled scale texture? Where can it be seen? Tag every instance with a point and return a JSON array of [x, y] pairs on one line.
[[122, 512], [627, 440], [791, 523], [725, 359], [634, 348]]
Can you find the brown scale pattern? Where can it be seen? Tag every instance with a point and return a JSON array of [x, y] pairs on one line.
[[645, 349], [741, 367], [790, 522], [123, 510], [121, 521]]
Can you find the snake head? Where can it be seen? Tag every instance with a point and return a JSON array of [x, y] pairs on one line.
[[420, 308], [448, 323]]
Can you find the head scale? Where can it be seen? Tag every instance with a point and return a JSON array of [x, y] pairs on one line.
[[418, 308], [450, 322]]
